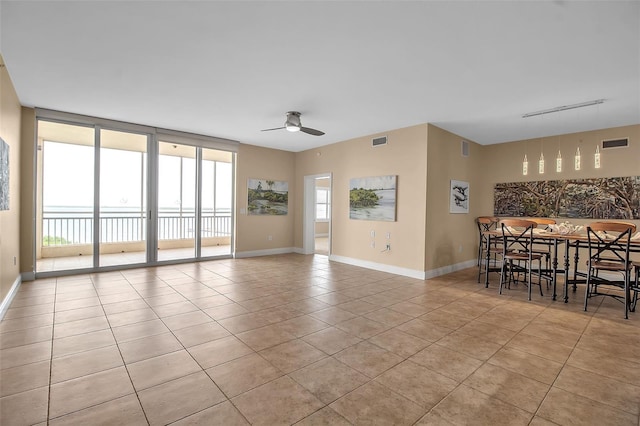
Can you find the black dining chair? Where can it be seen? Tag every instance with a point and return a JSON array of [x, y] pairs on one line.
[[608, 264]]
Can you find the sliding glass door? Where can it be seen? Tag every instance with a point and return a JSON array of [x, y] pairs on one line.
[[65, 197], [123, 198], [109, 197], [216, 203], [177, 191]]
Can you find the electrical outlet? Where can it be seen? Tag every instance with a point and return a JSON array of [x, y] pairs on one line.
[[373, 244], [269, 238], [388, 235], [460, 248], [372, 233]]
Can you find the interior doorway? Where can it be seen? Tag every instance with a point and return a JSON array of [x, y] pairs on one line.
[[317, 216]]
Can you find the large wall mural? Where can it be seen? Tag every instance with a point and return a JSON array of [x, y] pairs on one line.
[[601, 198]]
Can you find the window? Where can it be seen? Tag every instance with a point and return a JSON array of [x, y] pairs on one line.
[[323, 204]]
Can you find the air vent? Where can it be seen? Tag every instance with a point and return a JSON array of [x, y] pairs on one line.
[[465, 148], [615, 143], [382, 140]]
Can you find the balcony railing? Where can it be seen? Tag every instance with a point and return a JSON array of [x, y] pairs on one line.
[[67, 228]]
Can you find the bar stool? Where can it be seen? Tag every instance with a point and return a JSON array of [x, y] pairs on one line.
[[486, 223]]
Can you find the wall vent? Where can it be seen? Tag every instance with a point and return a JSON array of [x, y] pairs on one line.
[[382, 140], [464, 148], [615, 143]]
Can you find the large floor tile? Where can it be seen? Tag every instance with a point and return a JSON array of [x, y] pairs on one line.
[[25, 408], [331, 340], [417, 383], [219, 351], [329, 379], [565, 408], [369, 359], [281, 401], [86, 391], [83, 363], [449, 363], [174, 400], [376, 404], [292, 355], [121, 411], [149, 347], [243, 374], [468, 406], [24, 377], [163, 368], [223, 414], [508, 386]]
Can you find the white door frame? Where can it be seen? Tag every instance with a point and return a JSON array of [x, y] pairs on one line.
[[308, 212]]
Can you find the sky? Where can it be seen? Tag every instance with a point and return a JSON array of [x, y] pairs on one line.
[[68, 179]]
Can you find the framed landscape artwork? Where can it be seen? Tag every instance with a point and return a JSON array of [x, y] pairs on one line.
[[373, 198], [267, 197], [459, 197], [4, 175]]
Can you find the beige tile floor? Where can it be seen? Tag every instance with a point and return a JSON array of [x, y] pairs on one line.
[[297, 339]]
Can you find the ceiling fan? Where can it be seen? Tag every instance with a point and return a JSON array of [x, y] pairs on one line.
[[293, 125]]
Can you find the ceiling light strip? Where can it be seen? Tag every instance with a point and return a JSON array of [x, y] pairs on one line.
[[563, 108]]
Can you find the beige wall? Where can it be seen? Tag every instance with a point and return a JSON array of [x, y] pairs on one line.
[[404, 156], [252, 232], [503, 162], [10, 112], [450, 237]]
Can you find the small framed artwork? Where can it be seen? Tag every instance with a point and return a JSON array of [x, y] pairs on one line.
[[459, 197], [4, 175], [267, 197]]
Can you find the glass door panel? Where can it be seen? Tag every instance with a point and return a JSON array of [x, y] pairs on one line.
[[123, 195], [177, 194], [65, 197], [217, 196]]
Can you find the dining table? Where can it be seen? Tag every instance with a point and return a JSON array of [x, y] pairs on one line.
[[553, 239]]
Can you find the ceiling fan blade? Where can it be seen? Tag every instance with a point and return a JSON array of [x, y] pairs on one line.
[[275, 128], [313, 132]]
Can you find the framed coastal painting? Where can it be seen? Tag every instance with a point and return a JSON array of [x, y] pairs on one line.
[[267, 197], [4, 175], [459, 197], [373, 198]]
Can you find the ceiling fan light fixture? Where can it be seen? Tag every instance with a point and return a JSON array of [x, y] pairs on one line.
[[291, 127]]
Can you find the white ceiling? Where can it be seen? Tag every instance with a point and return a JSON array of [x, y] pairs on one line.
[[230, 69]]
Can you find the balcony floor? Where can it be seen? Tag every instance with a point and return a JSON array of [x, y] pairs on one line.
[[81, 262]]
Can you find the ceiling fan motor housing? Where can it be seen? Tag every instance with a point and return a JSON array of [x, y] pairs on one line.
[[293, 121]]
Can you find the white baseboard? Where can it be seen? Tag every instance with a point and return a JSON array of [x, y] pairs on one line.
[[432, 273], [411, 273], [265, 252], [4, 306], [299, 250], [28, 276]]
